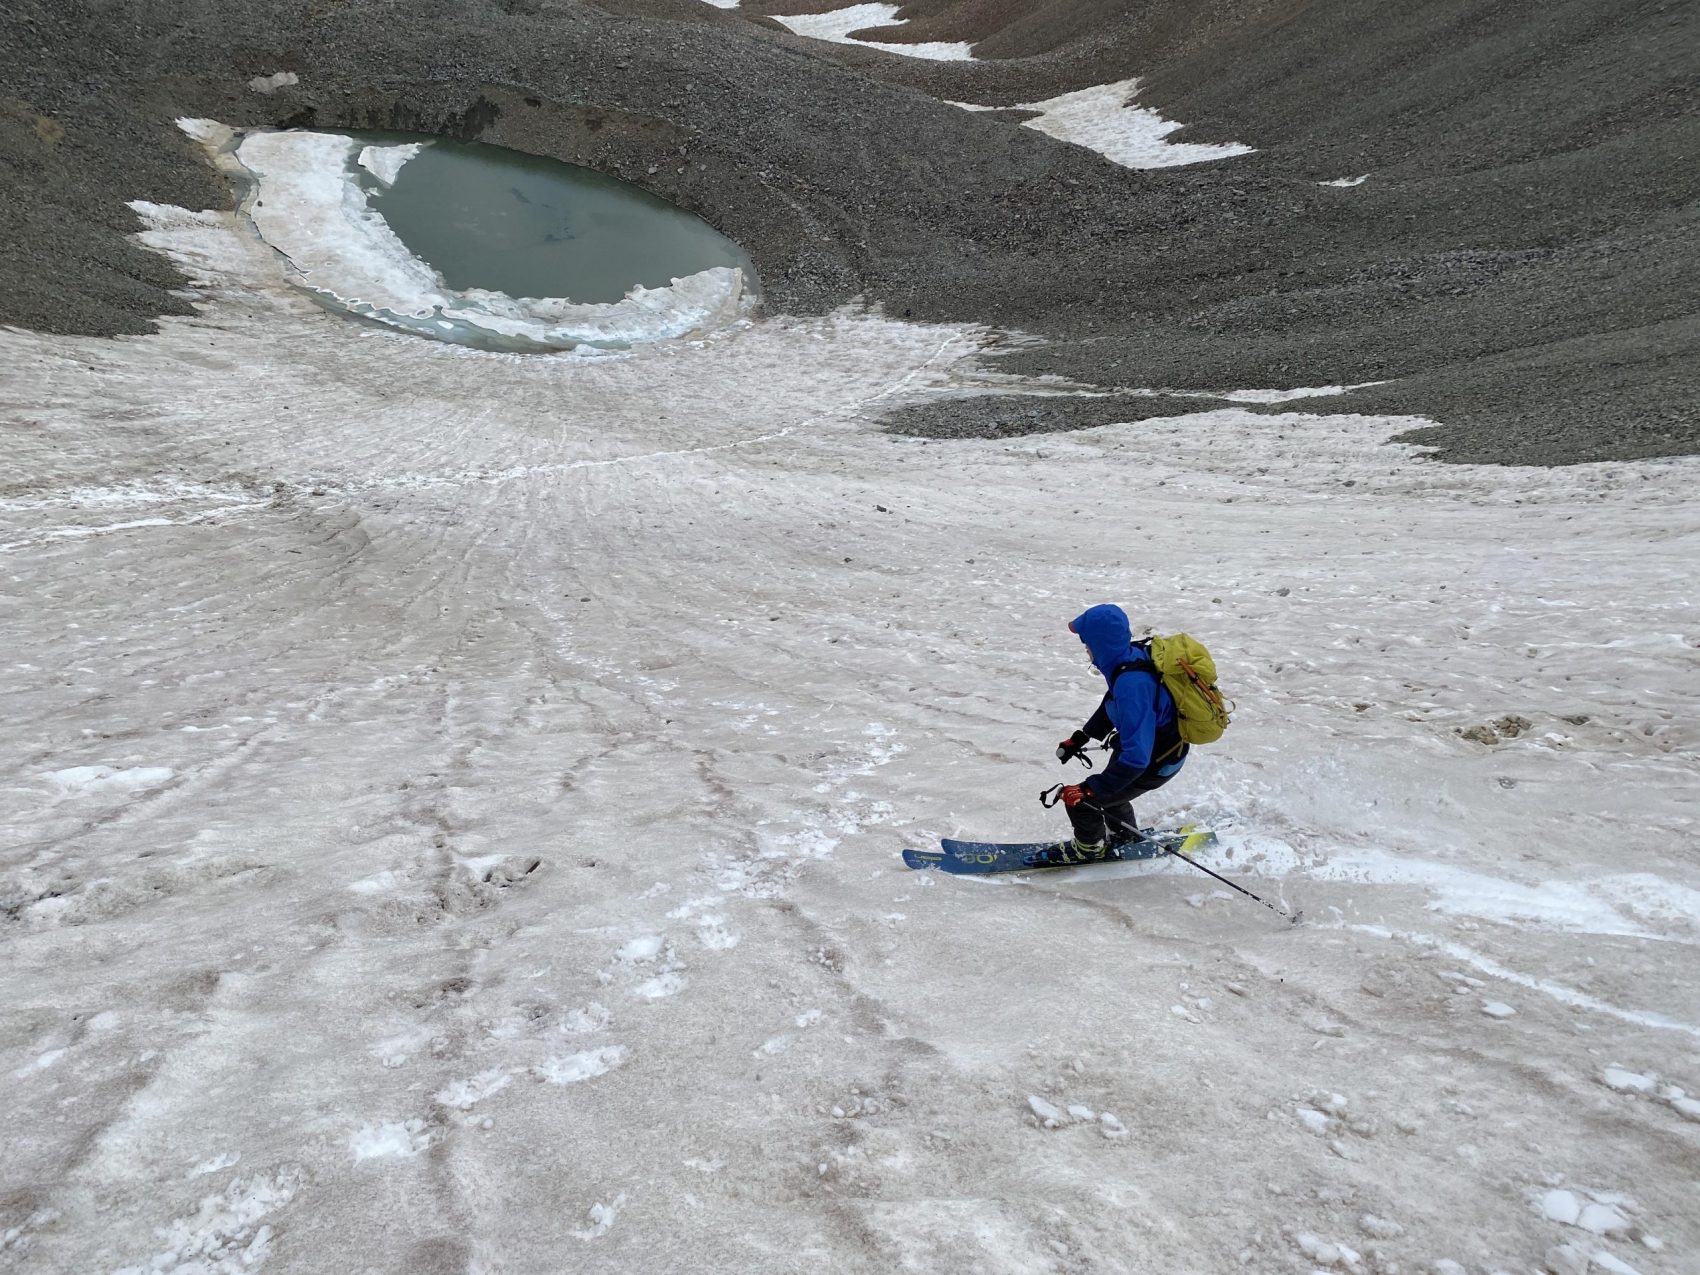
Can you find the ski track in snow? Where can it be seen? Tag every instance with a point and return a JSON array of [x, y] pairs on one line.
[[455, 802]]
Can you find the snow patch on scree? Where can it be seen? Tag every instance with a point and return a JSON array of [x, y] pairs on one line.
[[1103, 119], [837, 25]]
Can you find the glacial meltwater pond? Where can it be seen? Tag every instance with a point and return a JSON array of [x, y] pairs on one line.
[[481, 245]]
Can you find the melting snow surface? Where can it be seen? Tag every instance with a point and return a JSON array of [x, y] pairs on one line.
[[687, 617]]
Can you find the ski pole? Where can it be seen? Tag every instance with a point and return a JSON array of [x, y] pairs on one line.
[[1291, 916]]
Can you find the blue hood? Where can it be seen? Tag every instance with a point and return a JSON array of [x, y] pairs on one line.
[[1107, 634]]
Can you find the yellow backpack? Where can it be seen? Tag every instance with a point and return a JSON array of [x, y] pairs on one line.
[[1189, 674]]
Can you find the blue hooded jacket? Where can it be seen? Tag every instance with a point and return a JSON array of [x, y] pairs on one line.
[[1137, 706]]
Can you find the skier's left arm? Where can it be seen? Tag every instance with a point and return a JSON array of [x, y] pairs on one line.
[[1135, 704]]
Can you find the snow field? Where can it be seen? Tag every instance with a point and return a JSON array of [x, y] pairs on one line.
[[541, 733]]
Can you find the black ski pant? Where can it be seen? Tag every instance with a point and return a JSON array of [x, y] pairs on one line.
[[1109, 819]]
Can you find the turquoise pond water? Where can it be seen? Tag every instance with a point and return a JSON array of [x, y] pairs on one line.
[[488, 217]]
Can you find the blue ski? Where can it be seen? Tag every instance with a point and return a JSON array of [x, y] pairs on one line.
[[975, 858]]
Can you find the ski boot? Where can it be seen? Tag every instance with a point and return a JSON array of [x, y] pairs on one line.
[[1078, 851]]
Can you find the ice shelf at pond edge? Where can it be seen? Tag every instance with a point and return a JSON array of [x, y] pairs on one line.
[[384, 162], [306, 204]]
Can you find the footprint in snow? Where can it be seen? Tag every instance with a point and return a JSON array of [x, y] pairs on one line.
[[390, 1139], [713, 934], [587, 1065], [662, 985], [461, 1094], [593, 1017], [640, 950]]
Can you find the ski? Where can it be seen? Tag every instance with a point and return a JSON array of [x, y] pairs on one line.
[[977, 858]]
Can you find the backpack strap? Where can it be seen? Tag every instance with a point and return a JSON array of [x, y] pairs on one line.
[[1168, 743], [1135, 666]]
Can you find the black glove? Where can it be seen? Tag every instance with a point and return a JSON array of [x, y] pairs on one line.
[[1070, 747]]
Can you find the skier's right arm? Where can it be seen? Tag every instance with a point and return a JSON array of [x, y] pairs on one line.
[[1097, 726], [1070, 748]]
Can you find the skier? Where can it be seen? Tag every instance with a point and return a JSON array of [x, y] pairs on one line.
[[1138, 716]]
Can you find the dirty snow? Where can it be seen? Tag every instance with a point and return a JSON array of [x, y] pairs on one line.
[[688, 618]]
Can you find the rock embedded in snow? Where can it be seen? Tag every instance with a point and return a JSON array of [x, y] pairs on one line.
[[1380, 1228], [1497, 1009]]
